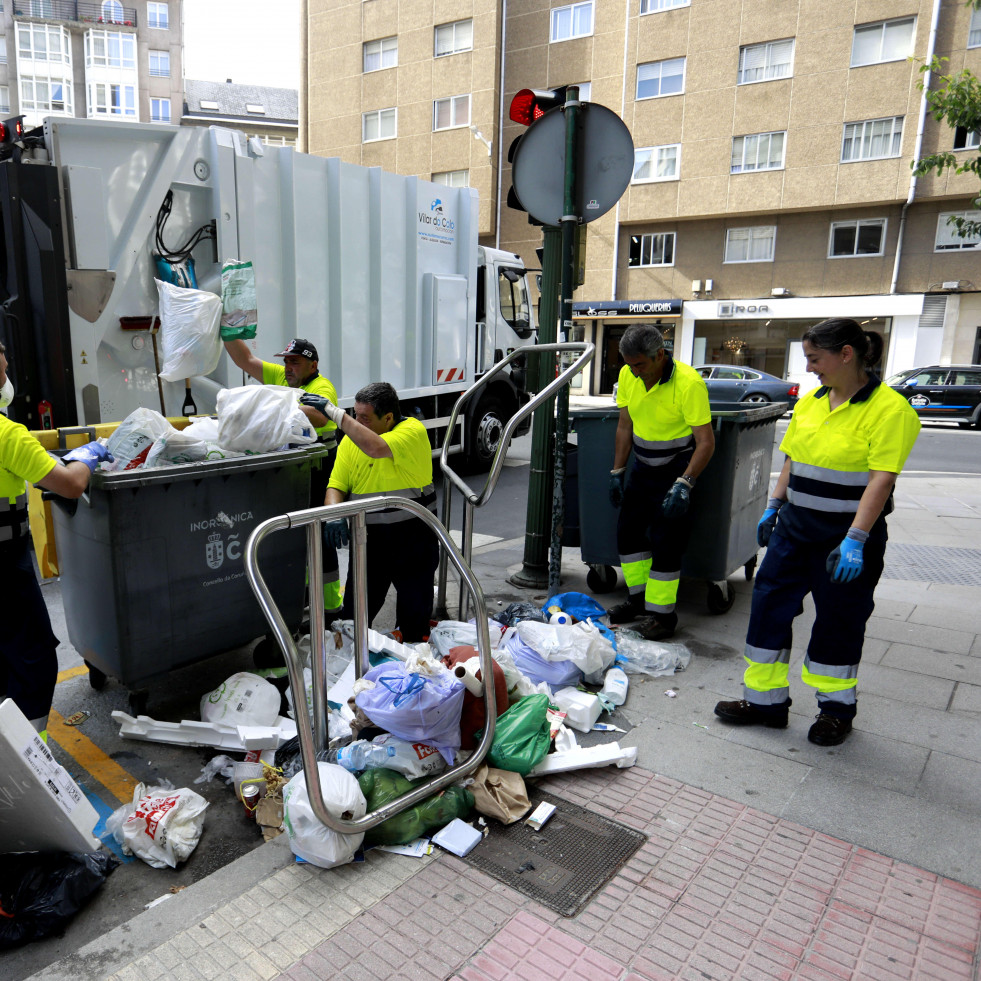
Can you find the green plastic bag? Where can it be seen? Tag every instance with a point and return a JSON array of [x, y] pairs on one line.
[[238, 303], [521, 736], [381, 786]]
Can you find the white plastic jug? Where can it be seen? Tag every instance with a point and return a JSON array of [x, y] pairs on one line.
[[615, 685]]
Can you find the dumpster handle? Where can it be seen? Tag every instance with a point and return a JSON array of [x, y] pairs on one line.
[[471, 499], [312, 732]]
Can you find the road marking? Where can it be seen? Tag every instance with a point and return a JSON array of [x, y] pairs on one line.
[[72, 673]]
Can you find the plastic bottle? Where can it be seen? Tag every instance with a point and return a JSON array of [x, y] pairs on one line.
[[615, 685], [360, 755]]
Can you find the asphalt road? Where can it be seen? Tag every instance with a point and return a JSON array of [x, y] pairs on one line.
[[109, 767]]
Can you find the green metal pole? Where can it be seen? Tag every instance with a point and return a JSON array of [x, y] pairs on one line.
[[534, 568], [570, 221]]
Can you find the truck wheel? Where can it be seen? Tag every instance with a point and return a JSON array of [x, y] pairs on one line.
[[720, 597], [96, 678], [486, 428], [601, 578]]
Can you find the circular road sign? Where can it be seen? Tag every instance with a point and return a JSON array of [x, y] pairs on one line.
[[604, 164]]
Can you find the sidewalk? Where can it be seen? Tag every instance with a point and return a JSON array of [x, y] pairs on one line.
[[767, 857]]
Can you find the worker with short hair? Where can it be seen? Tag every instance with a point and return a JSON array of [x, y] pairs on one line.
[[300, 370], [28, 646], [389, 455], [666, 421]]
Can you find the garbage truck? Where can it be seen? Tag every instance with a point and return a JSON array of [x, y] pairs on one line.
[[382, 272]]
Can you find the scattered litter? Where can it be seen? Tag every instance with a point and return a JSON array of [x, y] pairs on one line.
[[419, 848], [539, 816], [525, 867], [158, 900], [77, 718], [221, 735], [458, 837], [699, 724], [582, 708], [607, 727], [671, 693], [588, 756], [161, 825], [638, 656], [223, 766]]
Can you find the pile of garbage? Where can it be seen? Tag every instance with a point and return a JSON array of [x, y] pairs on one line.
[[417, 711], [251, 419]]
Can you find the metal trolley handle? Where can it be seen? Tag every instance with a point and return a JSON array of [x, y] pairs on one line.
[[312, 732]]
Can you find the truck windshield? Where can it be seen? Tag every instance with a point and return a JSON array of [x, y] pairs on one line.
[[514, 305]]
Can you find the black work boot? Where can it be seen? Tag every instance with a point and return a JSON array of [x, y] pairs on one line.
[[829, 730], [743, 713], [627, 611], [660, 626]]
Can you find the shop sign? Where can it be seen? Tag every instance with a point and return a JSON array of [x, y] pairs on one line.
[[740, 309], [627, 308]]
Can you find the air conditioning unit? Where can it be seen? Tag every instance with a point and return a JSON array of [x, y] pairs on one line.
[[780, 291], [696, 286], [951, 284]]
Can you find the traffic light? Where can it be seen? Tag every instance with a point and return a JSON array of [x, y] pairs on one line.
[[527, 107]]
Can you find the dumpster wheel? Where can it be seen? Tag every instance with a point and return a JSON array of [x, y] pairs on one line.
[[97, 678], [720, 597], [601, 578]]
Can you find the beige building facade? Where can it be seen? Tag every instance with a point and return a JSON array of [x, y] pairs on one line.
[[772, 182]]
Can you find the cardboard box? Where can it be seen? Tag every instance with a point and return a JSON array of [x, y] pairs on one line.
[[41, 808]]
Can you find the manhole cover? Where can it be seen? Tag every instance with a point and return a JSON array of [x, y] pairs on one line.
[[933, 563], [564, 864]]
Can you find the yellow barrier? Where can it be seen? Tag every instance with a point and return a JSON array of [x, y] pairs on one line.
[[39, 512]]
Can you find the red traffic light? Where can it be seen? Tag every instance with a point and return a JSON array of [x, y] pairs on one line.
[[531, 104]]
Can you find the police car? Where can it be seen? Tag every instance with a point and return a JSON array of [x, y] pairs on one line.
[[943, 392]]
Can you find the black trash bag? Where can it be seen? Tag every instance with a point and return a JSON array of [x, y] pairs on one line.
[[41, 892], [515, 612], [289, 759]]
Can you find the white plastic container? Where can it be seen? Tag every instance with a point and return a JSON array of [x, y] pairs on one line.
[[581, 708], [615, 685]]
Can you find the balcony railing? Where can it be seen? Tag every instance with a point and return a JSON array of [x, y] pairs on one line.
[[69, 10]]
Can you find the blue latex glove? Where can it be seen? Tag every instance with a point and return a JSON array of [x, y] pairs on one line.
[[335, 533], [317, 402], [91, 454], [768, 522], [845, 562], [616, 488], [675, 502]]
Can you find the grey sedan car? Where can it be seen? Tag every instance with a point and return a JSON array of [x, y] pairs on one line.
[[732, 383]]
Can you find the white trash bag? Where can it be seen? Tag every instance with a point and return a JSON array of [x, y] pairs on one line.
[[261, 418], [189, 331], [161, 826], [309, 839], [581, 643], [244, 699], [176, 447], [132, 439]]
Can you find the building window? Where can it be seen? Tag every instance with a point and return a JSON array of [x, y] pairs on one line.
[[974, 33], [657, 78], [112, 11], [112, 99], [110, 49], [157, 15], [452, 112], [887, 40], [3, 49], [872, 139], [40, 8], [656, 249], [966, 139], [43, 96], [657, 163], [255, 109], [160, 63], [4, 99], [270, 140], [378, 125], [36, 42], [948, 238], [160, 110], [383, 53], [574, 20], [760, 151], [209, 104], [453, 38], [866, 236], [763, 62], [653, 6], [453, 178], [754, 244]]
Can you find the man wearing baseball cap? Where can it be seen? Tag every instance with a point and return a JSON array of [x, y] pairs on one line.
[[299, 370]]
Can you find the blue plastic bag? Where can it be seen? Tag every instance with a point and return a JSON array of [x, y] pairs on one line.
[[579, 605], [415, 707], [556, 674]]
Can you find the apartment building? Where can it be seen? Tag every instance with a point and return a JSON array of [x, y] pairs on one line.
[[101, 60], [262, 111], [772, 183]]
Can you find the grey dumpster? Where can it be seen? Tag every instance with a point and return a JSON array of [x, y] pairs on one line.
[[726, 506], [151, 562]]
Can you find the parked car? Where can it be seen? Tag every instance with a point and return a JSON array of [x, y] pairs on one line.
[[950, 391], [731, 383]]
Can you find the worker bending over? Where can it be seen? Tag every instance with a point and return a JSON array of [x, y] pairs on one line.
[[28, 658], [390, 456]]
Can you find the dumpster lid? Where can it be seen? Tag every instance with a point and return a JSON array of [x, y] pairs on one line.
[[175, 472], [747, 412]]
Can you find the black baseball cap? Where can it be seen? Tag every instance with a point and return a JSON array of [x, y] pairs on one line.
[[301, 346]]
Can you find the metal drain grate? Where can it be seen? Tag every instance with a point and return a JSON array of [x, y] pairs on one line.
[[571, 858], [933, 563]]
